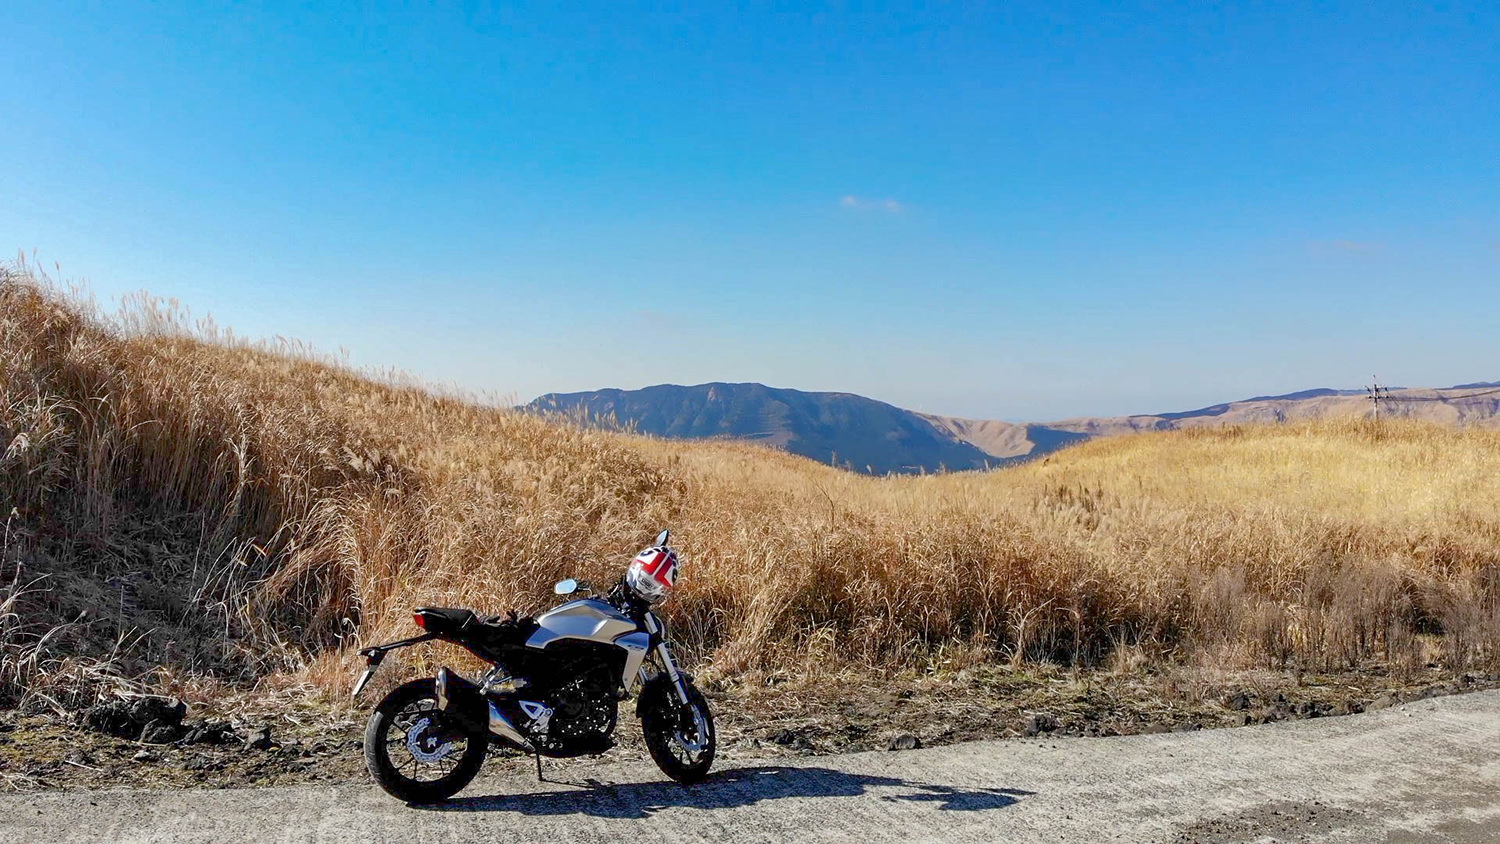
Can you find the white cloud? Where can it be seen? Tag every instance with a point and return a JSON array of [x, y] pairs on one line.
[[1356, 247], [858, 203]]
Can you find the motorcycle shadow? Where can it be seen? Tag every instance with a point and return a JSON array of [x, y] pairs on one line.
[[731, 788]]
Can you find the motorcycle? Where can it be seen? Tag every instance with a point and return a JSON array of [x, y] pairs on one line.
[[552, 690]]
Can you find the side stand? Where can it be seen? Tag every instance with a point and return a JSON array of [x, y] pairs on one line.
[[539, 776]]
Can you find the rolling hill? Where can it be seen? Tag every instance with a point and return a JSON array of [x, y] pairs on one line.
[[841, 429]]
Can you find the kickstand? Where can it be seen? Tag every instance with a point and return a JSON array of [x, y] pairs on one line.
[[539, 776]]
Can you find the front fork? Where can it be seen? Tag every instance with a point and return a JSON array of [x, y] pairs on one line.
[[664, 654], [698, 723], [658, 632]]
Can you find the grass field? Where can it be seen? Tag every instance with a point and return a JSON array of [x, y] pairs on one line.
[[186, 508]]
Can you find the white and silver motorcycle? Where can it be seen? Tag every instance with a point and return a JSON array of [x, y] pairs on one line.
[[553, 689]]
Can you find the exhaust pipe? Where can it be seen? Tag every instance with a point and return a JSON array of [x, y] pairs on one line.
[[462, 700], [502, 727]]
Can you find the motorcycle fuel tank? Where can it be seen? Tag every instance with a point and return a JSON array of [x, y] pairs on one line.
[[589, 620]]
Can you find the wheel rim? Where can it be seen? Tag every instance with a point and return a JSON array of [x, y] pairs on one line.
[[687, 750], [416, 746]]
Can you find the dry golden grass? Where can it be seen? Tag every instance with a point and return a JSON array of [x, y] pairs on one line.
[[185, 503]]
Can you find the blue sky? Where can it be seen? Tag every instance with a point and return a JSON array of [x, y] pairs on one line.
[[1025, 211]]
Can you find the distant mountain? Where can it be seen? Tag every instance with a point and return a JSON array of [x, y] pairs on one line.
[[871, 436], [1452, 405], [1007, 441], [839, 428]]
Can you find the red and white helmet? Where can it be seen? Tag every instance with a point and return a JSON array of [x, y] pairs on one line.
[[652, 573]]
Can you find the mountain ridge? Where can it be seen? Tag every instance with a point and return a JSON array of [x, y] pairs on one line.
[[843, 429], [875, 437]]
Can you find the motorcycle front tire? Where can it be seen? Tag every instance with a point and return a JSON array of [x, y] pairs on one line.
[[659, 722]]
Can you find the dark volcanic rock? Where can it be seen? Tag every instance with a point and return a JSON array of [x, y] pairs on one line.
[[129, 718], [144, 710], [1039, 723], [114, 718], [1278, 712], [904, 742], [794, 740], [160, 732], [259, 739], [208, 732]]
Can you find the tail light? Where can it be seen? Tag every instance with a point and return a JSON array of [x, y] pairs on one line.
[[420, 619]]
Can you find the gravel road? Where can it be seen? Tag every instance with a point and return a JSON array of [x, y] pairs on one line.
[[1424, 771]]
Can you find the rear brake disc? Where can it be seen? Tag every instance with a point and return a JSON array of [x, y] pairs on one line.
[[423, 745]]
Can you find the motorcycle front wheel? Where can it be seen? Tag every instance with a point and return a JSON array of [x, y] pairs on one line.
[[680, 738], [414, 752]]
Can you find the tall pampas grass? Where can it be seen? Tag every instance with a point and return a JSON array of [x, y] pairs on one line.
[[176, 499]]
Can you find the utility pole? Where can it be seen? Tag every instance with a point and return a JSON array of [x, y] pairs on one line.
[[1377, 394]]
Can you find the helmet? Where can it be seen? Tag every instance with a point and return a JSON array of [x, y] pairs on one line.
[[652, 573]]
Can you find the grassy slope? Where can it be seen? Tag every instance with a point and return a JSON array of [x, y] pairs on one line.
[[207, 508]]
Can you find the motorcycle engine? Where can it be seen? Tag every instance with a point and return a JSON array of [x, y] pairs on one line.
[[584, 710]]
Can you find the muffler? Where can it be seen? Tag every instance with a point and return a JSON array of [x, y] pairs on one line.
[[502, 727], [462, 701]]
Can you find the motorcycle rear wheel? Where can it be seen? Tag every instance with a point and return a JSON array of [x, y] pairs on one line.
[[426, 767]]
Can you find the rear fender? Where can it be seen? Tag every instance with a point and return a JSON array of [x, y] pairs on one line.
[[376, 654], [461, 701]]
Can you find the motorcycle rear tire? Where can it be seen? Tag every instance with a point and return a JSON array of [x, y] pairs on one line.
[[388, 775]]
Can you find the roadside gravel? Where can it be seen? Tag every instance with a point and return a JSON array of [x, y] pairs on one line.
[[1420, 771]]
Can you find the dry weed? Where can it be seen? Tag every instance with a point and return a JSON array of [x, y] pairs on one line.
[[179, 497]]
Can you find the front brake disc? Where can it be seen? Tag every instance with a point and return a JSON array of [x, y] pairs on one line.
[[700, 732]]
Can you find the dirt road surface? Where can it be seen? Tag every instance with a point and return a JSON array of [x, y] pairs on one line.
[[1423, 771]]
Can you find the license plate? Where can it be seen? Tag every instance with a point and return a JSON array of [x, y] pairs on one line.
[[364, 679]]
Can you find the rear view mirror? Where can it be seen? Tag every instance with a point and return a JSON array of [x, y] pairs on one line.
[[565, 587], [661, 539]]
